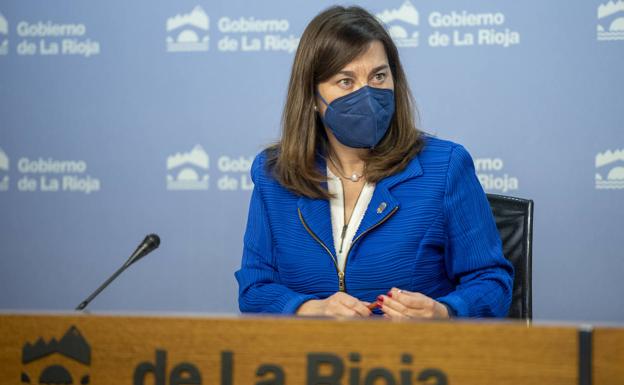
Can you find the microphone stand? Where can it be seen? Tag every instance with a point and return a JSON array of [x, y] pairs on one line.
[[151, 242], [84, 303]]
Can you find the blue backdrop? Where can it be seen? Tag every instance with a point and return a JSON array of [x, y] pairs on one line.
[[118, 119]]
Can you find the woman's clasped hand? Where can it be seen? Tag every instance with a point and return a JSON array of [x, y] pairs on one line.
[[396, 304]]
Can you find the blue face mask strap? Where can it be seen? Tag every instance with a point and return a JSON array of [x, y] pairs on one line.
[[322, 99]]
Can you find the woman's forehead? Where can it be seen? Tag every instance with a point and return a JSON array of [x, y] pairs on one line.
[[374, 56]]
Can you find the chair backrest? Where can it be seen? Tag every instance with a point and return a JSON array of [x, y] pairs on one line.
[[514, 220]]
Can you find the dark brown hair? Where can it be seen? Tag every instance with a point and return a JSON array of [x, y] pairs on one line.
[[333, 39]]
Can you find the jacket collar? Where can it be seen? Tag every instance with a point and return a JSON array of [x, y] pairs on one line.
[[383, 203], [412, 170], [317, 216]]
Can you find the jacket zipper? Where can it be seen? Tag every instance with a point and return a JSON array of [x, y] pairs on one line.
[[344, 219], [342, 237], [341, 274]]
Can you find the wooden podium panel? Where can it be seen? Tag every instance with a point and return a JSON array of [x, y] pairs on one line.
[[173, 350], [608, 356]]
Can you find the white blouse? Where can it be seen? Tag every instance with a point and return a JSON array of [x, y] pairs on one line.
[[343, 236]]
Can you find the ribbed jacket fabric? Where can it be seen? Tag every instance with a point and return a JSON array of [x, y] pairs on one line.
[[427, 229]]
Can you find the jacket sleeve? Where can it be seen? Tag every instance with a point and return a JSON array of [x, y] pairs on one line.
[[473, 252], [260, 290]]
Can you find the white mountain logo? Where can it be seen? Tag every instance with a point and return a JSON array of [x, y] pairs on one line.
[[400, 23], [188, 32], [611, 21], [4, 166], [188, 170], [406, 13], [4, 30], [610, 169]]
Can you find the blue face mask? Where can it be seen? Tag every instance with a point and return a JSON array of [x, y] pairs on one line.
[[360, 119]]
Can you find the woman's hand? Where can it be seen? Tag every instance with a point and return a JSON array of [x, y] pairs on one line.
[[403, 304], [338, 305]]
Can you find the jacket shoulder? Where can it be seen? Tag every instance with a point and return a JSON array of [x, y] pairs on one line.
[[433, 143], [260, 172], [437, 150]]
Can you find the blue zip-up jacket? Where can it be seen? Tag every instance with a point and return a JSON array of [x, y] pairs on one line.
[[427, 229]]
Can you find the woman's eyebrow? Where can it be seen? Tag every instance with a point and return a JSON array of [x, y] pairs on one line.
[[352, 74], [379, 68]]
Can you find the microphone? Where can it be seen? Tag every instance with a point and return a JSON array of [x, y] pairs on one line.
[[149, 244]]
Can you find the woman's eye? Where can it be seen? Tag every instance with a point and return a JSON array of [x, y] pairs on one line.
[[344, 82], [380, 77]]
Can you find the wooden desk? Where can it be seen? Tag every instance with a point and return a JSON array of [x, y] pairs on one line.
[[169, 350], [608, 356]]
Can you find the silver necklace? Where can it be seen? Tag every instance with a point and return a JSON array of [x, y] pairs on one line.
[[355, 177]]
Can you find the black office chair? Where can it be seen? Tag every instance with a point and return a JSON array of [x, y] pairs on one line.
[[514, 220]]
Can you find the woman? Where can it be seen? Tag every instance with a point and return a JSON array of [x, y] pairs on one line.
[[354, 209]]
